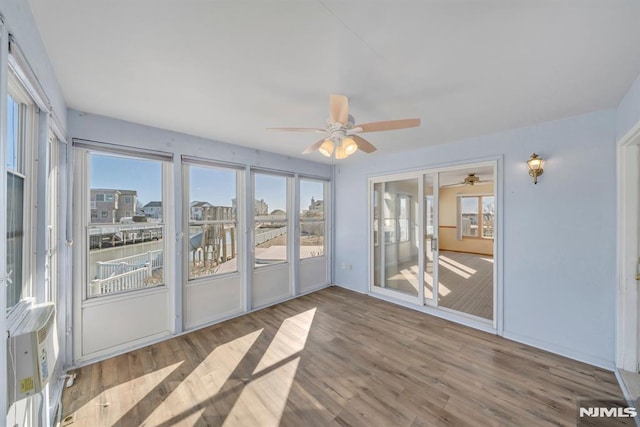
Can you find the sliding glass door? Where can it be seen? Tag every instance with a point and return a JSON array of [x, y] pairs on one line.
[[396, 214], [432, 239]]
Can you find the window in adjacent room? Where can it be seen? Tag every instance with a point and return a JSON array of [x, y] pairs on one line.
[[477, 215]]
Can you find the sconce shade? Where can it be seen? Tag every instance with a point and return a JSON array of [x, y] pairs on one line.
[[349, 146], [326, 149], [535, 167]]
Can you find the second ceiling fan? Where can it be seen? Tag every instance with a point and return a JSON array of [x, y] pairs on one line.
[[343, 138]]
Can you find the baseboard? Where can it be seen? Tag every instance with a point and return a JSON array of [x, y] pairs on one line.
[[561, 351], [349, 288]]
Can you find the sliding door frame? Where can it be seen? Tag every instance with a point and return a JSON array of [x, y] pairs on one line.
[[496, 324]]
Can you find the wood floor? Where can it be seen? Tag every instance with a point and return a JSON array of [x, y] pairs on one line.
[[335, 358], [466, 283]]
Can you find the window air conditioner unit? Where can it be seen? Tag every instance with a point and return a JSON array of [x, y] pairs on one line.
[[32, 352]]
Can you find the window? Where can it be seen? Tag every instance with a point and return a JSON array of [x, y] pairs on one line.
[[21, 135], [312, 218], [52, 220], [127, 199], [389, 211], [477, 215], [99, 197], [488, 216], [123, 255], [404, 216], [270, 219], [213, 222]]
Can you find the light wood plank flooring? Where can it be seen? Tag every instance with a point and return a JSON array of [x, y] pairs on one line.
[[335, 358]]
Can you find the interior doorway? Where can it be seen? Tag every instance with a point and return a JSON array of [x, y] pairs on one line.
[[628, 268]]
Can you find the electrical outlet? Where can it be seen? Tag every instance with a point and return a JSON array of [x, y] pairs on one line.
[[344, 266]]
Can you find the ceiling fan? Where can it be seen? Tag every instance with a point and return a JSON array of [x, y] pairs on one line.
[[470, 179], [343, 133]]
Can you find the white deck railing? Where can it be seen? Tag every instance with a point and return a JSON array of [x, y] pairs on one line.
[[264, 236], [122, 274], [122, 282], [118, 266]]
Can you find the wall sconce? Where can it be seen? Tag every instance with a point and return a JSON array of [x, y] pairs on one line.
[[535, 167]]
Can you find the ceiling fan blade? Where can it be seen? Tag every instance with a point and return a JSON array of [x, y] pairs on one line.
[[363, 144], [339, 109], [388, 125], [314, 146], [459, 184], [316, 130]]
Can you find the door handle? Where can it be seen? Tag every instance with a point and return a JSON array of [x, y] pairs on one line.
[[434, 244]]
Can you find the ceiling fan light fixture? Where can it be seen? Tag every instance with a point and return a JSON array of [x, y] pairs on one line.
[[349, 146], [340, 153], [326, 149]]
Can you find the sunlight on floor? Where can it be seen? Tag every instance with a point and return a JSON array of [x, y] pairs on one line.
[[209, 377], [263, 400], [137, 388], [443, 291], [488, 260], [455, 270], [411, 278], [289, 340], [458, 264]]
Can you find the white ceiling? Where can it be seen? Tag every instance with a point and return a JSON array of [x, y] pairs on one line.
[[226, 70]]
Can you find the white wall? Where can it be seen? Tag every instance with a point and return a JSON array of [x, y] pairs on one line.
[[628, 113], [105, 129], [559, 235]]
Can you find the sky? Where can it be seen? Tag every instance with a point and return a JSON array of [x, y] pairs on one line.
[[216, 186]]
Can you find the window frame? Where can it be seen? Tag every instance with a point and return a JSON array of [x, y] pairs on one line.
[[324, 220], [287, 220], [83, 151], [187, 164], [480, 214], [407, 198], [25, 169]]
